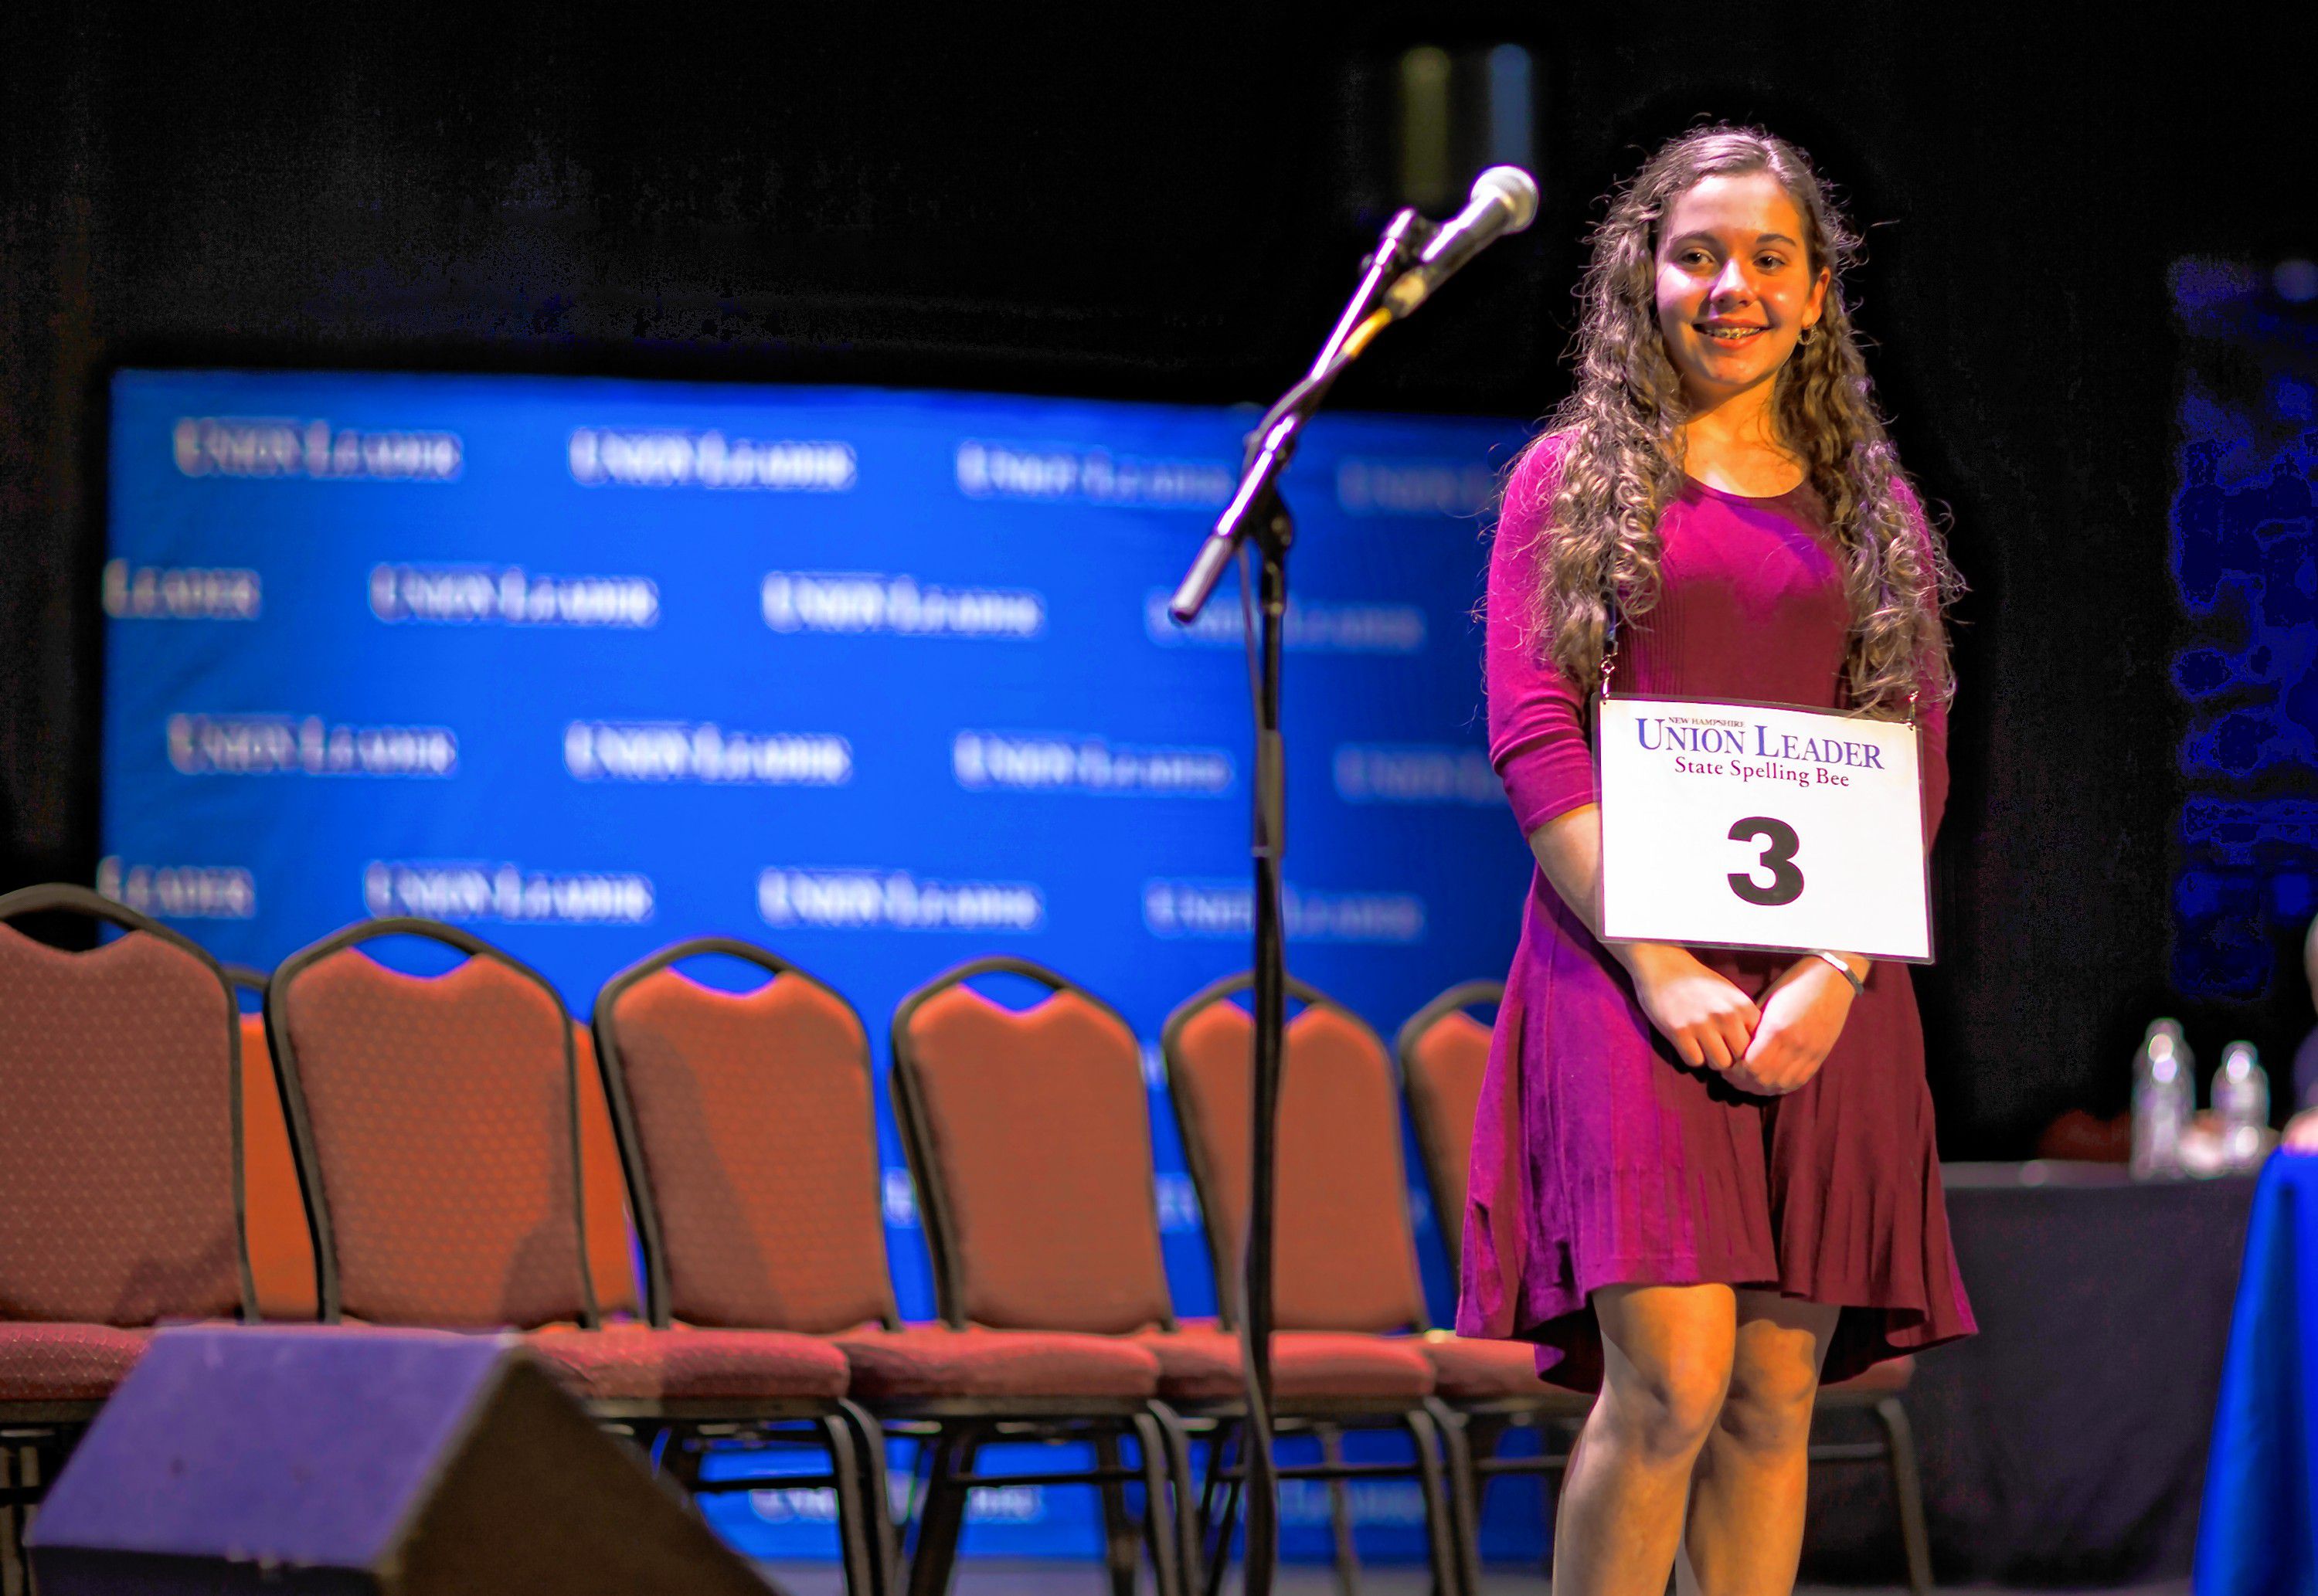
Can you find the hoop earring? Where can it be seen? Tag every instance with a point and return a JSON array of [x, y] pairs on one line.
[[1804, 338]]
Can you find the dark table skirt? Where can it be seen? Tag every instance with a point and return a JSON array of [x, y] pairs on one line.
[[2066, 1443]]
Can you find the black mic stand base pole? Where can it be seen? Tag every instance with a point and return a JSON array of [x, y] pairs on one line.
[[1272, 534], [1257, 514]]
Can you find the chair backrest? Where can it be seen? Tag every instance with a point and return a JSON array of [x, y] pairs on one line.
[[281, 1234], [1028, 1134], [611, 1240], [749, 1128], [1444, 1053], [1343, 1253], [437, 1124], [281, 1237], [120, 1123]]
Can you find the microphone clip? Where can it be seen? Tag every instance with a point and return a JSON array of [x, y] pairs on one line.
[[1406, 235]]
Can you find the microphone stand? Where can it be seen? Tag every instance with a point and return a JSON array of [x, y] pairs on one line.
[[1257, 514]]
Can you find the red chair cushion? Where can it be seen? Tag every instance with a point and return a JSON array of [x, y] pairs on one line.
[[65, 1362], [633, 1363], [1887, 1378], [1200, 1363], [1484, 1371], [930, 1362]]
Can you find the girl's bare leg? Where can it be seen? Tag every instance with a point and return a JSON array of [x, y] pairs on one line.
[[1746, 1530], [1667, 1353]]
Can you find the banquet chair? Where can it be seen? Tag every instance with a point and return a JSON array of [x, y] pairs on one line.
[[1345, 1249], [121, 1171], [1444, 1053], [1029, 1134], [439, 1128], [748, 1120]]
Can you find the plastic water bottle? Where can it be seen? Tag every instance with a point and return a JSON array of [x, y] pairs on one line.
[[2170, 1028], [2242, 1103], [2164, 1096]]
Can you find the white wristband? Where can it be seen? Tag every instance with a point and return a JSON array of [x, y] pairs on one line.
[[1858, 987]]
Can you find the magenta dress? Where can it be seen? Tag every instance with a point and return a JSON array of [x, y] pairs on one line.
[[1599, 1159]]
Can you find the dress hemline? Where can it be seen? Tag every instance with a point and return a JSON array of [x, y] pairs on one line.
[[1874, 1325]]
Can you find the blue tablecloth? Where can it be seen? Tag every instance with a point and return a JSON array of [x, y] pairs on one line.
[[2259, 1535]]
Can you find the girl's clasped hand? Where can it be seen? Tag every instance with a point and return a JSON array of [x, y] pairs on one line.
[[1769, 1049]]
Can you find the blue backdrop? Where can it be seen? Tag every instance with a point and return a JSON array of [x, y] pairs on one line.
[[881, 680]]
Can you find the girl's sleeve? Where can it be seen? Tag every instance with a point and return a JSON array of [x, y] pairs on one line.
[[1931, 710], [1537, 716]]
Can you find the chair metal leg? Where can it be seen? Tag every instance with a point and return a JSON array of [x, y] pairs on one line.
[[870, 1446], [1219, 1556], [15, 1566], [857, 1541], [681, 1461], [1178, 1443], [1340, 1511], [943, 1516], [1464, 1487], [869, 1442], [1219, 1455], [36, 1461], [1160, 1523], [1908, 1485], [1120, 1554], [1441, 1538], [921, 1467]]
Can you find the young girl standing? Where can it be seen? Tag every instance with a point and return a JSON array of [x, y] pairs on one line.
[[1703, 1180]]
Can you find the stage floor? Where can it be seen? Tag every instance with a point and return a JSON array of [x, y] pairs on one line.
[[1084, 1579]]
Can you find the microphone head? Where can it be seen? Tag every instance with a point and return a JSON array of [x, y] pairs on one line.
[[1504, 200], [1517, 188]]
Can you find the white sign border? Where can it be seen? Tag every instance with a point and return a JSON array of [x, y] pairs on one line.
[[1602, 883]]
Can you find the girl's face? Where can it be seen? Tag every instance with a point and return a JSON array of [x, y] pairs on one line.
[[1735, 287]]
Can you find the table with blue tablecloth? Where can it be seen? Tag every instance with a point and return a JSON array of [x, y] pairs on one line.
[[2259, 1535]]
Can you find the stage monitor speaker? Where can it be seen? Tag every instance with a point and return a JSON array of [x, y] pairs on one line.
[[361, 1463]]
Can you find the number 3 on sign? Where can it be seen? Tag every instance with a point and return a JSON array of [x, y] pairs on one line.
[[1780, 843], [1685, 780]]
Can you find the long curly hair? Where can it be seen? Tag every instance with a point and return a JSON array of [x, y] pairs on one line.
[[1619, 434]]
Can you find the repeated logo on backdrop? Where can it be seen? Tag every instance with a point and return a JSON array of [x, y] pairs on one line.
[[882, 681]]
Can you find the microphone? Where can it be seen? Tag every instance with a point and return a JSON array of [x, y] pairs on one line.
[[1504, 200]]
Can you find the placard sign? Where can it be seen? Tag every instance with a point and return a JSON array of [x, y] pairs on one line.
[[1740, 825]]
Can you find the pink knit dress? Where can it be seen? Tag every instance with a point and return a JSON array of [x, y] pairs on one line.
[[1599, 1159]]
